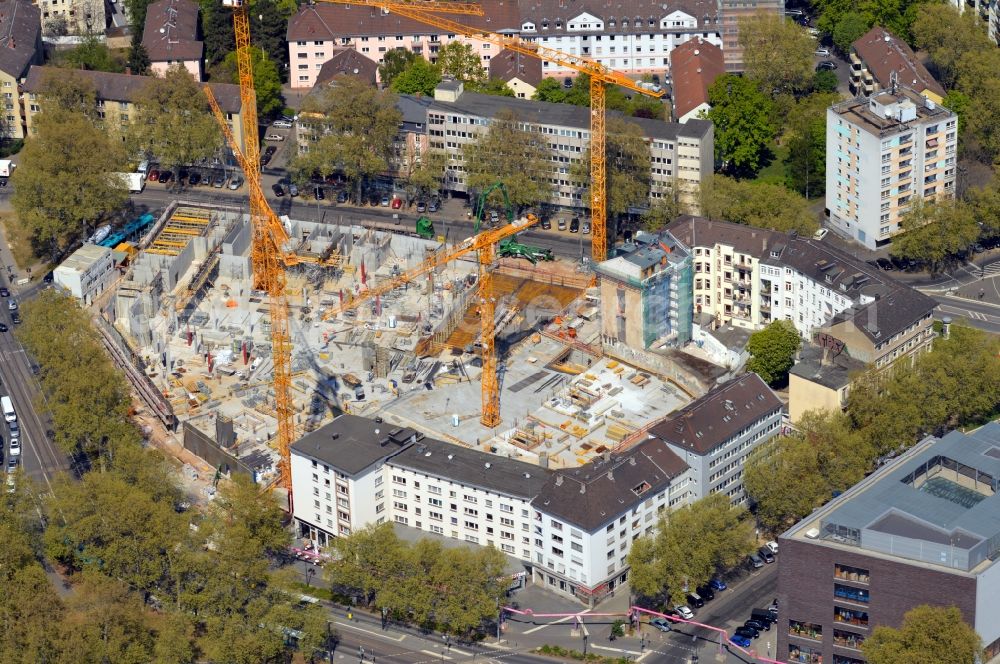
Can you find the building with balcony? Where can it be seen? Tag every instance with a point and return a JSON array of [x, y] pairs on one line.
[[748, 277], [882, 153], [571, 529], [20, 48], [716, 433], [171, 37], [646, 292], [924, 529], [117, 95], [878, 58]]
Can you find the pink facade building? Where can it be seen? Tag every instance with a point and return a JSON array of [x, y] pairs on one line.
[[170, 36]]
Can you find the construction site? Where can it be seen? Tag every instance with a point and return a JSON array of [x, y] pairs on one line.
[[368, 339]]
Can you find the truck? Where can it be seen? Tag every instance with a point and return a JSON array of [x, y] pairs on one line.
[[135, 182], [425, 228], [7, 168]]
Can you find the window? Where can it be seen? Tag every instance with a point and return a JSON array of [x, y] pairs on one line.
[[850, 617], [804, 654], [853, 574], [399, 479], [805, 630], [436, 490], [850, 594], [846, 639]]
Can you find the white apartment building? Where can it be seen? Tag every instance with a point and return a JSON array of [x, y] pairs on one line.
[[86, 273], [572, 529], [882, 153], [716, 433], [748, 277]]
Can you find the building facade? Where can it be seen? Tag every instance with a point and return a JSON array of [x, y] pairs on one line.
[[731, 11], [879, 57], [749, 277], [882, 153], [116, 98], [572, 529], [170, 36], [522, 73], [72, 17], [20, 48], [86, 273], [646, 292], [821, 379], [716, 433], [925, 529]]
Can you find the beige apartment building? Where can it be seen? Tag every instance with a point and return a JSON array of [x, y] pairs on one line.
[[20, 48], [116, 97], [882, 153]]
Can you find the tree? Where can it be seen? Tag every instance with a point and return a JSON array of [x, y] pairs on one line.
[[985, 203], [662, 212], [419, 78], [550, 90], [934, 231], [848, 29], [742, 117], [958, 102], [174, 120], [138, 58], [459, 61], [506, 153], [805, 133], [394, 62], [948, 36], [266, 81], [929, 634], [757, 204], [67, 148], [690, 546], [426, 176], [777, 53], [357, 125], [91, 54], [496, 86], [772, 351], [68, 90], [824, 80], [216, 30], [136, 12], [628, 167], [268, 27]]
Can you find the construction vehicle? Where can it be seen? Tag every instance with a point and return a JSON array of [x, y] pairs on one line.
[[600, 76], [267, 250], [513, 249], [425, 228]]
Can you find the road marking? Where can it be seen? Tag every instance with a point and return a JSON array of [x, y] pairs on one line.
[[630, 652], [435, 654], [556, 622], [460, 652], [368, 631]]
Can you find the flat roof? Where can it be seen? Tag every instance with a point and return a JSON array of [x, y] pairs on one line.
[[937, 504], [83, 258], [833, 371], [352, 444], [857, 112]]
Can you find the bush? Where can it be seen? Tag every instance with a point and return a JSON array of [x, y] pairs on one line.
[[10, 146]]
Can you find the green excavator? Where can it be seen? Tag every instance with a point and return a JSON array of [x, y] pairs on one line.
[[509, 248]]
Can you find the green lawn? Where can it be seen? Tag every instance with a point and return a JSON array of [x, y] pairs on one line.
[[775, 171]]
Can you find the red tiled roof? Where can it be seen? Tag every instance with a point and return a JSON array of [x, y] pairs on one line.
[[884, 53], [694, 66], [508, 65], [326, 22]]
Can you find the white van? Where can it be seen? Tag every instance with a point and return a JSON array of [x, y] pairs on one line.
[[8, 409]]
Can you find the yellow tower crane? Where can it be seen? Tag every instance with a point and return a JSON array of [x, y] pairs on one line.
[[600, 76], [267, 256]]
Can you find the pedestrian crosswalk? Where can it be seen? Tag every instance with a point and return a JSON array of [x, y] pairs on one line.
[[992, 270]]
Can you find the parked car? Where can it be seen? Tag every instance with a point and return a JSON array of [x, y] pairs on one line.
[[270, 150], [341, 196], [278, 190], [574, 225], [279, 137], [194, 178], [236, 182], [15, 318], [748, 632], [397, 203], [3, 327], [705, 592], [433, 205], [293, 189], [318, 194], [759, 625], [12, 305], [741, 641], [219, 181], [561, 224], [822, 52], [684, 611], [15, 447], [12, 464], [4, 292], [384, 201], [766, 554], [421, 207], [661, 624], [586, 228], [166, 176], [153, 176], [695, 600], [494, 217], [826, 64], [567, 82], [281, 124], [546, 224], [884, 263], [773, 546], [755, 560]]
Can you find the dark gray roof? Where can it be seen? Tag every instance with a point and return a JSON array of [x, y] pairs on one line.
[[171, 31], [351, 443], [714, 418], [564, 115], [630, 16], [921, 498], [347, 62], [20, 31], [835, 372], [895, 306], [328, 22], [126, 87], [473, 468], [508, 65], [600, 491]]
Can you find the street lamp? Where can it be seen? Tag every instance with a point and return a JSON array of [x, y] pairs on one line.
[[310, 573]]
